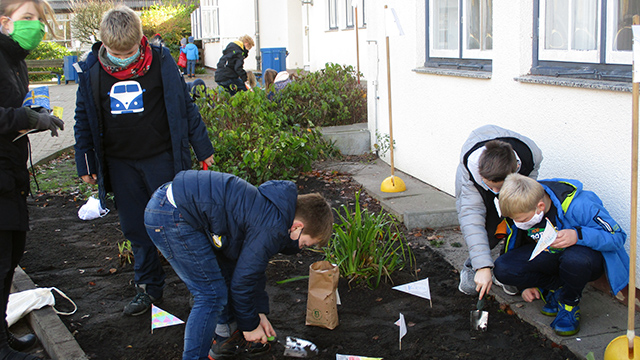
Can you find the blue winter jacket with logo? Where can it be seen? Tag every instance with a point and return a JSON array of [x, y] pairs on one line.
[[583, 211], [253, 223]]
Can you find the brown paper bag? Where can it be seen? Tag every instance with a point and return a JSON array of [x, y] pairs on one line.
[[322, 307]]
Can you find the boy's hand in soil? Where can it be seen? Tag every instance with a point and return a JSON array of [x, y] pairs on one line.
[[262, 332], [483, 281], [530, 294], [90, 179]]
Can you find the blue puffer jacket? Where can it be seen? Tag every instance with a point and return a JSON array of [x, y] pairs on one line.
[[185, 123], [583, 211], [253, 223]]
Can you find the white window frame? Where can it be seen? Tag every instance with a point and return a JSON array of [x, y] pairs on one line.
[[208, 19], [457, 52], [349, 15], [332, 14], [613, 56], [584, 56], [473, 53]]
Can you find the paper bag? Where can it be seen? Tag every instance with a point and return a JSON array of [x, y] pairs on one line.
[[321, 302]]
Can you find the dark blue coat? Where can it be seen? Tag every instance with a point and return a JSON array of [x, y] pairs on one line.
[[253, 223], [185, 124]]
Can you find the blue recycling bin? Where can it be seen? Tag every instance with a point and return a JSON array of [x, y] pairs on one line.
[[70, 73], [274, 58]]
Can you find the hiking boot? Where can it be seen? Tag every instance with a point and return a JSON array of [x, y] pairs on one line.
[[550, 298], [508, 289], [236, 345], [567, 322], [141, 303], [7, 353], [467, 284], [20, 343]]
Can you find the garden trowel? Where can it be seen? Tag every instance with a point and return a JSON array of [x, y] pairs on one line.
[[479, 318]]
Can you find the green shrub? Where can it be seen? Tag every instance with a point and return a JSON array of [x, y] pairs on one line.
[[172, 22], [45, 51], [366, 246], [252, 139], [329, 97]]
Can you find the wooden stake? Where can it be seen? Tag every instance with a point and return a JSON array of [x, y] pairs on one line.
[[390, 111]]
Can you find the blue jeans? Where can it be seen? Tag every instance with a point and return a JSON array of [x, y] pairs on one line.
[[233, 85], [570, 269], [190, 253], [191, 67], [133, 182]]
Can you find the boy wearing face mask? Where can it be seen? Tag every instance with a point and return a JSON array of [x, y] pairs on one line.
[[589, 243], [21, 30], [135, 122]]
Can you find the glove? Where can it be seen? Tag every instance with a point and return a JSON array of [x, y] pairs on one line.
[[44, 121]]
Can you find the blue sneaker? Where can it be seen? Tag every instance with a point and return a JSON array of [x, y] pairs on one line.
[[550, 298], [567, 322]]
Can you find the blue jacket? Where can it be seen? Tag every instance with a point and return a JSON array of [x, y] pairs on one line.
[[191, 50], [583, 211], [185, 123], [253, 224]]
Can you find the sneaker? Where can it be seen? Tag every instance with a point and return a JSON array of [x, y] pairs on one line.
[[236, 345], [550, 298], [141, 303], [567, 322], [508, 289], [467, 284]]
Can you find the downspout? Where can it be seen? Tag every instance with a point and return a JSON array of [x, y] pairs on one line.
[[258, 52]]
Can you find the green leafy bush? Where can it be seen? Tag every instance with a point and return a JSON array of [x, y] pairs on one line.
[[329, 97], [366, 246], [253, 140], [172, 22], [45, 51]]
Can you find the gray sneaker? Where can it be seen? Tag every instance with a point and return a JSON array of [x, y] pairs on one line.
[[508, 289], [141, 303], [467, 283]]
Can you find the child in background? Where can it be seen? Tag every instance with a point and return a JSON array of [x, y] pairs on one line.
[[230, 73], [218, 232], [192, 56]]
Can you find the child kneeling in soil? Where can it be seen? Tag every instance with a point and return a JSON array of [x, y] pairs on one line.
[[218, 232], [588, 241]]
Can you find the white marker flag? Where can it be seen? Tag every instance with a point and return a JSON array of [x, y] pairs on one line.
[[161, 318], [418, 288], [391, 16], [636, 53], [403, 327]]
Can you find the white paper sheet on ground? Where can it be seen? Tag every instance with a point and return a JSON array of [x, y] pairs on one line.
[[354, 357], [547, 238], [636, 52], [161, 318], [418, 288]]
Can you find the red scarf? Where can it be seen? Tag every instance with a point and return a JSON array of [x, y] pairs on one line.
[[136, 69]]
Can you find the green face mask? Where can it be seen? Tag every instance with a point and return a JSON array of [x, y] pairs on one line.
[[28, 33]]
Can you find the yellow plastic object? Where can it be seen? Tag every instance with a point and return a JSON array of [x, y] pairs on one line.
[[618, 349], [393, 184]]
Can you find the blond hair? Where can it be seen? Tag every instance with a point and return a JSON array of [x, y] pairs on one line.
[[519, 194], [247, 39], [251, 79], [121, 28], [316, 215], [45, 12]]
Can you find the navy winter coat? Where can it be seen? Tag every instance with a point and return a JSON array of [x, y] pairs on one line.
[[253, 223], [185, 124], [231, 64]]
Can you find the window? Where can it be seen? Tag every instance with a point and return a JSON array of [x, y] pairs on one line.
[[205, 20], [460, 33], [349, 13], [584, 38], [332, 10]]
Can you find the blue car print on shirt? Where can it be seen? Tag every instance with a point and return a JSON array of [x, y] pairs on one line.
[[126, 98]]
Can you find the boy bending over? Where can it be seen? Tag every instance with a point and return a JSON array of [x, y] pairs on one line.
[[589, 243], [218, 232]]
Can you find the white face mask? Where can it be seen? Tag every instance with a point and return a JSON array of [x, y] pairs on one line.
[[531, 222]]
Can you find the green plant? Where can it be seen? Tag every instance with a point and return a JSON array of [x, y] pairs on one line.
[[87, 18], [436, 243], [329, 97], [172, 22], [456, 244], [253, 140], [125, 252], [383, 143], [46, 50], [367, 246], [59, 176]]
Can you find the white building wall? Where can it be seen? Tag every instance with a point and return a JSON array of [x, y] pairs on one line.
[[584, 134]]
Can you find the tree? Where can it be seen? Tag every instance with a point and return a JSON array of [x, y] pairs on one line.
[[88, 15]]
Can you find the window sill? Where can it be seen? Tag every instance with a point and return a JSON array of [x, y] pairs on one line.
[[454, 72], [575, 83]]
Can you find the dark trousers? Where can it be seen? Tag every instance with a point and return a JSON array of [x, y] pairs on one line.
[[570, 269], [233, 85], [11, 250], [133, 182]]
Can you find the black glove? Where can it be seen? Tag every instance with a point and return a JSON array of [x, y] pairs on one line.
[[44, 121]]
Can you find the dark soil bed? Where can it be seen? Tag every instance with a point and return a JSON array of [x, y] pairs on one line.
[[81, 259]]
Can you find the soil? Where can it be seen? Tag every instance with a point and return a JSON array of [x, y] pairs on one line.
[[81, 258]]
